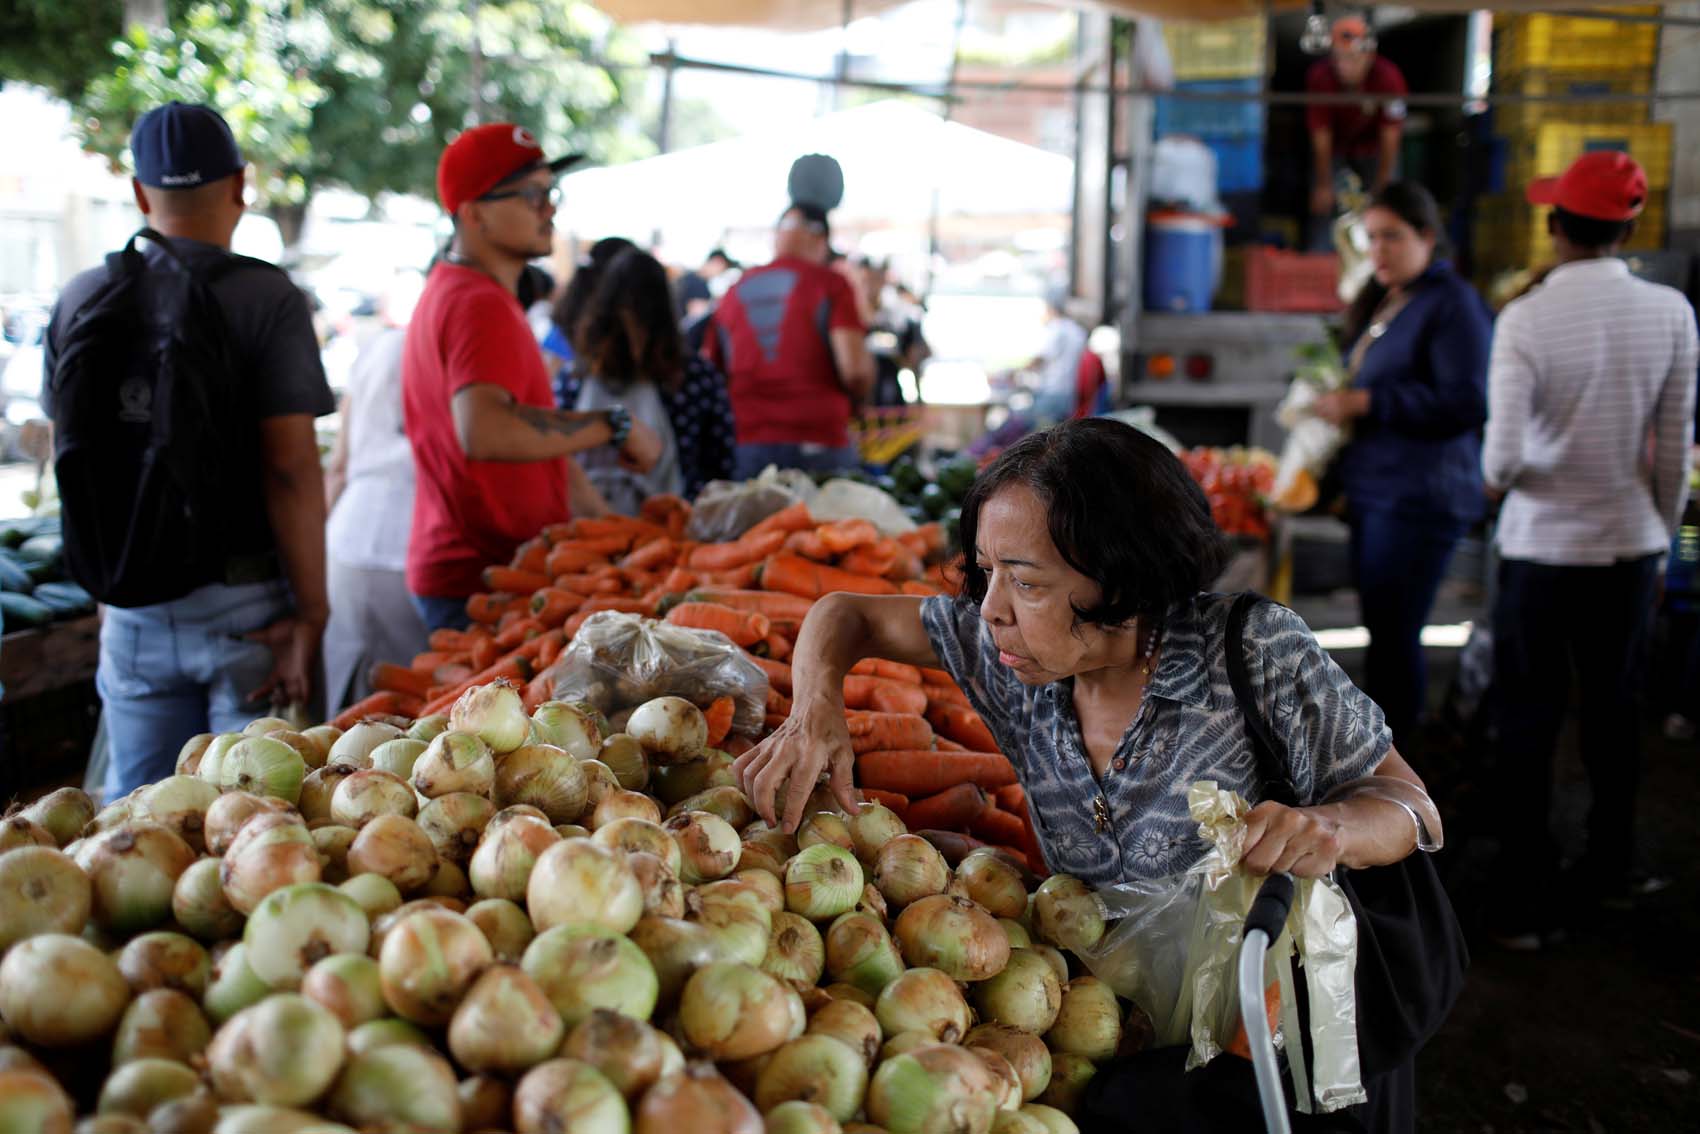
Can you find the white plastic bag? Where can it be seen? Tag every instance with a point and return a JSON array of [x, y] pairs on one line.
[[847, 500]]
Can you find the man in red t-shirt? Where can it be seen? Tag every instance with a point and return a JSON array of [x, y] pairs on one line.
[[795, 354], [489, 447], [1362, 136]]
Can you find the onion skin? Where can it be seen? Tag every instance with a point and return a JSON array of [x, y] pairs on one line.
[[62, 813], [455, 823], [872, 828], [709, 846], [815, 1069], [234, 985], [581, 968], [825, 827], [676, 949], [494, 714], [671, 730], [41, 891], [504, 1025], [569, 727], [395, 847], [136, 1088], [924, 1000], [57, 990], [1089, 1021], [852, 1024], [822, 882], [860, 952], [697, 1100], [427, 729], [576, 882], [1025, 1051], [1054, 1120], [397, 1086], [133, 869], [501, 866], [623, 804], [353, 749], [270, 851], [165, 960], [33, 1102], [505, 926], [161, 1023], [370, 793], [1069, 1075], [1067, 914], [995, 884], [795, 950], [348, 986], [284, 1051], [397, 757], [798, 1117], [319, 788], [428, 962], [544, 776], [566, 1095], [1025, 995], [332, 843], [725, 800], [297, 927], [909, 868], [387, 1032], [374, 893], [674, 783], [624, 755], [735, 1011], [456, 761], [954, 936], [263, 766], [628, 1052], [933, 1090], [486, 1102], [663, 894], [1004, 1072]]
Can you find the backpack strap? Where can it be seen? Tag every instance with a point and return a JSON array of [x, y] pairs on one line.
[[1278, 785]]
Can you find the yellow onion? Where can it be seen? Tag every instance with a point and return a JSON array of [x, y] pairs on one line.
[[398, 756], [1011, 1088], [263, 766], [374, 893], [736, 1011], [672, 783], [41, 891], [504, 926], [189, 756], [271, 850], [17, 831], [295, 927], [233, 986], [57, 990], [938, 1089], [671, 730], [543, 776], [760, 886], [633, 834], [1089, 1022], [727, 801], [212, 756], [62, 813], [161, 1023], [382, 925], [1050, 1118], [675, 949], [576, 882], [505, 1025], [494, 714], [759, 856], [333, 842], [851, 1024], [132, 870], [447, 881], [455, 822], [663, 895], [628, 1052], [708, 844], [399, 1086], [32, 1101], [563, 1095], [909, 868], [798, 1117], [1017, 933], [165, 960], [428, 961], [354, 748], [839, 990], [581, 968], [260, 726], [1067, 914], [860, 952], [1025, 995], [454, 762], [1138, 1032], [795, 950], [137, 1087], [698, 1100], [348, 986], [600, 783], [226, 815], [993, 882], [952, 935], [312, 752], [822, 882], [739, 928], [873, 903], [518, 811], [815, 1069], [782, 843], [319, 788], [285, 1051], [1026, 1053], [501, 866], [568, 727], [620, 805], [924, 1000], [370, 793], [624, 756], [389, 1031], [825, 827], [1069, 1075], [427, 729], [486, 1102], [395, 847], [1054, 958], [323, 737], [873, 827]]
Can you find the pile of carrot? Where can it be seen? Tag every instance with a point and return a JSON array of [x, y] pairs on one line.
[[920, 747]]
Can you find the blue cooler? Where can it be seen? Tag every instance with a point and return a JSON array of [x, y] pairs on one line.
[[1183, 256]]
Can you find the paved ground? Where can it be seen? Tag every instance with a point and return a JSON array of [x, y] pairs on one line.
[[1601, 1034]]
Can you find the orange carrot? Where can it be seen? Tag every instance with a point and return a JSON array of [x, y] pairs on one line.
[[520, 632], [566, 558], [1000, 827], [947, 579], [584, 583], [933, 538], [1012, 799], [530, 556], [884, 695], [952, 809], [778, 673], [456, 641], [400, 679], [895, 671], [778, 646], [924, 772], [1240, 1045], [792, 518], [488, 608], [914, 542], [719, 718], [538, 690], [451, 674], [656, 553], [514, 582], [946, 694], [874, 732], [384, 703], [660, 509], [736, 745], [946, 744], [533, 647], [775, 604], [725, 556], [621, 603], [484, 654], [809, 545], [936, 677], [843, 535], [897, 801], [551, 605], [574, 624], [871, 559], [906, 566], [431, 659], [743, 627], [738, 578], [796, 575], [630, 527], [678, 581], [963, 726], [553, 643], [918, 589], [778, 702]]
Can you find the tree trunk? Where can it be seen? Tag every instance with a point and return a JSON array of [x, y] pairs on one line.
[[290, 220]]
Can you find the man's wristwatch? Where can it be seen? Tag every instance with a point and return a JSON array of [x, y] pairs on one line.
[[619, 424]]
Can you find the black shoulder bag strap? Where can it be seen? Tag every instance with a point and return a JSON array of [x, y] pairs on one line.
[[1411, 951]]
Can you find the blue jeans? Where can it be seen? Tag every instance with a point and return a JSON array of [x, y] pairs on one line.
[[1398, 561], [175, 669], [751, 459], [441, 613]]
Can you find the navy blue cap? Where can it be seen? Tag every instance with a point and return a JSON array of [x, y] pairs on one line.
[[180, 146]]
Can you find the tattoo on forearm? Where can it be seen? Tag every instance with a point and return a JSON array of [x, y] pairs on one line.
[[552, 421]]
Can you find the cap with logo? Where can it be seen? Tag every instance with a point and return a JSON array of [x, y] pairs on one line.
[[486, 156], [1350, 31], [181, 145], [1606, 185]]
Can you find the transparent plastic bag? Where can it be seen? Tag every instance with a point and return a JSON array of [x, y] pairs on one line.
[[618, 661], [840, 499], [725, 509]]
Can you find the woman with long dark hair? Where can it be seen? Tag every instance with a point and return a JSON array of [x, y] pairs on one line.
[[630, 352], [1416, 340]]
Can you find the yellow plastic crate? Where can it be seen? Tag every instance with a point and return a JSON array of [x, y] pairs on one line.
[[1219, 49], [1513, 118], [1548, 149], [1511, 233], [1526, 41]]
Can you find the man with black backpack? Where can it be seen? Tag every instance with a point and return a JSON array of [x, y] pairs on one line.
[[183, 382]]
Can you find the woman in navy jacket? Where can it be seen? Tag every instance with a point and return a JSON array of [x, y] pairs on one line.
[[1417, 340]]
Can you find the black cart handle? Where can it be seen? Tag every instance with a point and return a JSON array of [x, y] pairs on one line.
[[1269, 910]]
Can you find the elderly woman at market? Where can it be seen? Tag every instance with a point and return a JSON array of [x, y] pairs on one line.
[[1083, 638]]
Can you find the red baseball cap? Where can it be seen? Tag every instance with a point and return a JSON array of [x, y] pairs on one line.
[[485, 156], [1606, 185]]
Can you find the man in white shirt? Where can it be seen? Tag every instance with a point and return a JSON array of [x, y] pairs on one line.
[[1590, 416], [1058, 361]]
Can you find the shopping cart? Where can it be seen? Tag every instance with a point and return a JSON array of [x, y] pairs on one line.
[[1262, 926]]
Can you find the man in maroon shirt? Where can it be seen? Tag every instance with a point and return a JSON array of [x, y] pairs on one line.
[[1361, 136]]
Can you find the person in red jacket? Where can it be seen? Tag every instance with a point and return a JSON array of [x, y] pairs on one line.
[[1360, 136], [489, 447]]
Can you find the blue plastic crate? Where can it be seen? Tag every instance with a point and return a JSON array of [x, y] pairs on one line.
[[1219, 118], [1239, 163]]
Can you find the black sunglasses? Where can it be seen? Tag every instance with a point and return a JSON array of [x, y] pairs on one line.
[[534, 195]]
